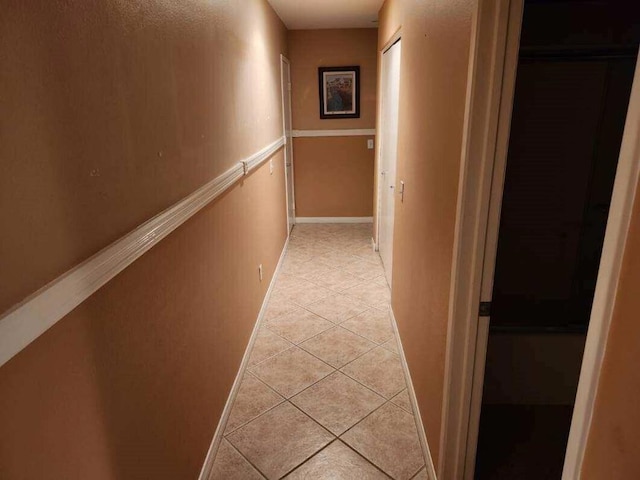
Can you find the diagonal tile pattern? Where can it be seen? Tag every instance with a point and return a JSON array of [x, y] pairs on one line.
[[337, 402], [386, 436], [324, 396]]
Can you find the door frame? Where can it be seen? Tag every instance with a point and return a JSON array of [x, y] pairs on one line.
[[287, 139], [378, 185], [490, 88]]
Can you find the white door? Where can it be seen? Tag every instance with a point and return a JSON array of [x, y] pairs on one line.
[[388, 150], [288, 148]]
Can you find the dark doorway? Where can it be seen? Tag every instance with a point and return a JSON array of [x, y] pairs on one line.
[[575, 70]]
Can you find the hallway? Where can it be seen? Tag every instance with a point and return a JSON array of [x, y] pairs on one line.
[[324, 394]]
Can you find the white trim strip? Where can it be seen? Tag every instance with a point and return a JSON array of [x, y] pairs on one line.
[[28, 320], [334, 219], [367, 132], [422, 435], [207, 467]]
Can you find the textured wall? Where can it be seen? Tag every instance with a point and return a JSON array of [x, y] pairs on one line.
[[111, 112], [334, 177]]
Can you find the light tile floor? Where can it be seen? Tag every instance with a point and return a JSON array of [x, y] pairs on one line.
[[324, 396]]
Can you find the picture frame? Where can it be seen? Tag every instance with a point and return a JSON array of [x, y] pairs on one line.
[[339, 89]]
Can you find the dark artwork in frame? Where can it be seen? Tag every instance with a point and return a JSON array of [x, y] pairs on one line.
[[339, 92]]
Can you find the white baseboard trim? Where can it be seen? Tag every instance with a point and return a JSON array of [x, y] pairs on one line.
[[334, 219], [356, 132], [422, 435], [207, 467], [25, 322]]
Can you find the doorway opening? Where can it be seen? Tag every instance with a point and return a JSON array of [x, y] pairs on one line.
[[572, 91], [389, 100]]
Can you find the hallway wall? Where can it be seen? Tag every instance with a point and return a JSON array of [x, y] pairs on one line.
[[614, 434], [112, 112], [333, 175], [436, 37]]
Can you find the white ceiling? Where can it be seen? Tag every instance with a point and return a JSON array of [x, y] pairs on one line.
[[310, 14]]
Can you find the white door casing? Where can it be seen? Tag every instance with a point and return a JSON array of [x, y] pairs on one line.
[[285, 76], [390, 79], [480, 198]]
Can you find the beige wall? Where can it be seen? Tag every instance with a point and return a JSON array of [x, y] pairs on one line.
[[334, 177], [615, 429], [310, 49], [319, 162], [111, 113], [435, 58]]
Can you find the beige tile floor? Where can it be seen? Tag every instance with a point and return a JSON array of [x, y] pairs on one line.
[[324, 396]]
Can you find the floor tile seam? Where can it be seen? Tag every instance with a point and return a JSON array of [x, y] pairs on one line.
[[301, 305], [358, 423], [271, 356], [386, 402], [356, 299], [360, 257], [350, 361], [364, 279], [371, 349], [367, 386], [424, 463], [368, 307], [400, 406], [292, 311], [333, 325], [323, 361], [389, 402], [317, 381], [339, 325], [296, 306], [370, 387], [226, 434], [246, 459], [338, 289], [339, 370], [282, 400], [365, 458], [308, 338], [308, 310], [348, 318], [418, 472], [235, 430], [304, 351], [335, 437], [360, 335]]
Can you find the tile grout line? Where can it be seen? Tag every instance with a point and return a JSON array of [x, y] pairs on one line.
[[335, 437], [283, 400], [246, 459], [358, 423], [332, 293]]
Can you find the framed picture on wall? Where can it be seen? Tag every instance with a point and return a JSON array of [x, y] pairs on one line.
[[339, 92]]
